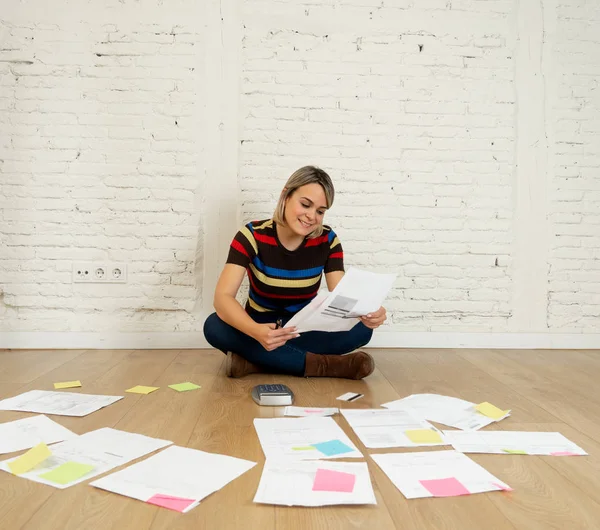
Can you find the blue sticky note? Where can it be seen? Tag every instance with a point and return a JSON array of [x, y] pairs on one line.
[[333, 447]]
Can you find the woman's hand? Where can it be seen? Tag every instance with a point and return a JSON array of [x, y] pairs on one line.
[[375, 319], [270, 337]]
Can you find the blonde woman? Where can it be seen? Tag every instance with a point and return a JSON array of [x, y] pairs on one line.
[[285, 258]]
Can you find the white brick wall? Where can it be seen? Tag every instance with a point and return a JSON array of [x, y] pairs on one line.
[[99, 158], [120, 135]]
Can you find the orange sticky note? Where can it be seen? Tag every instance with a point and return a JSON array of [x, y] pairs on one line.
[[423, 436], [491, 411], [140, 389], [26, 462], [68, 384]]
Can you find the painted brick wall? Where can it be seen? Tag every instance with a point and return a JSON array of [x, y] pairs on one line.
[[99, 161]]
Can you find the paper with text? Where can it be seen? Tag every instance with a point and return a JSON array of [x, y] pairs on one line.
[[310, 411], [292, 483], [176, 474], [58, 403], [425, 474], [24, 434], [103, 449]]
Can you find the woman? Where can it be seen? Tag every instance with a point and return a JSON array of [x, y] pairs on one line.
[[284, 258]]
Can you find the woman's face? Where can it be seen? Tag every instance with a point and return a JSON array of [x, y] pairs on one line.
[[305, 208]]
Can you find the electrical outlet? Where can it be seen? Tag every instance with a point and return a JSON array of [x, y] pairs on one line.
[[99, 272]]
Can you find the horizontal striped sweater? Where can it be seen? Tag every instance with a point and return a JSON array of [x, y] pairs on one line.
[[283, 281]]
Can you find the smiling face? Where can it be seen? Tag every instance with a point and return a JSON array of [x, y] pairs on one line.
[[305, 208]]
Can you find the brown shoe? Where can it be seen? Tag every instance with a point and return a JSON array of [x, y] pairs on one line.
[[355, 365], [236, 366]]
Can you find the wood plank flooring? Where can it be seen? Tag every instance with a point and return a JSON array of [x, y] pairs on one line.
[[547, 390]]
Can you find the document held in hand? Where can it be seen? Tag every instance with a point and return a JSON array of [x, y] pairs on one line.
[[357, 294]]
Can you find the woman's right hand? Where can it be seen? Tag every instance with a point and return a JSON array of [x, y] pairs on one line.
[[270, 337]]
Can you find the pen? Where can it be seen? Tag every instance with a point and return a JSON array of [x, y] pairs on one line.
[[279, 323]]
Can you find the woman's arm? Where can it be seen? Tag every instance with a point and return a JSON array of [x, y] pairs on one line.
[[227, 307], [333, 278]]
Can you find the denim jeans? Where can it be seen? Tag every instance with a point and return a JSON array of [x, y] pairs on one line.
[[289, 358]]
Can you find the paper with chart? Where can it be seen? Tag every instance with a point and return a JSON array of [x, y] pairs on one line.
[[357, 294], [24, 434], [450, 411], [378, 428], [437, 474], [89, 455], [177, 478], [310, 411], [513, 442], [58, 403], [316, 483], [304, 438]]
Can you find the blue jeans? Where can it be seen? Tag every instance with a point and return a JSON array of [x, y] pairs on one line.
[[289, 358]]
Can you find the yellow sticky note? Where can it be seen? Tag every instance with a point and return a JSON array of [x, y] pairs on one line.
[[140, 389], [68, 384], [515, 451], [491, 411], [67, 472], [423, 436], [36, 455], [304, 448], [184, 387]]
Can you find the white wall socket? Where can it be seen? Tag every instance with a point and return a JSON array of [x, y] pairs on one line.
[[99, 272]]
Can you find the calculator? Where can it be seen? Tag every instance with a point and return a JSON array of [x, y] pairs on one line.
[[272, 395]]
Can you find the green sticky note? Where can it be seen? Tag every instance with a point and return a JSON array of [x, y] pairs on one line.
[[304, 448], [184, 387], [515, 451], [67, 472]]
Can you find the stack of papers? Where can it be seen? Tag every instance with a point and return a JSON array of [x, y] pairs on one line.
[[59, 403], [437, 474], [24, 434], [177, 478], [379, 428], [304, 438], [449, 411], [88, 455], [513, 443], [315, 483], [358, 293]]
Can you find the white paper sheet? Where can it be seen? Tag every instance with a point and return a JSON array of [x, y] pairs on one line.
[[104, 449], [290, 483], [378, 428], [293, 437], [406, 470], [177, 472], [512, 442], [59, 403], [310, 411], [357, 294], [24, 434], [447, 410]]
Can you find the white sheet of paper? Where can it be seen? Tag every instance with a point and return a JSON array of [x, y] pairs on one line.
[[310, 411], [284, 437], [357, 294], [405, 470], [104, 449], [28, 432], [379, 428], [59, 403], [503, 442], [290, 483], [450, 411], [176, 472]]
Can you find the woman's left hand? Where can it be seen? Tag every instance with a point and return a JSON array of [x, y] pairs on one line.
[[375, 319]]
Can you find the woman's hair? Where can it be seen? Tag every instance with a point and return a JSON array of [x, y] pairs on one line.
[[301, 177]]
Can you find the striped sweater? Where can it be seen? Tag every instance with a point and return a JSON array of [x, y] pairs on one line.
[[283, 281]]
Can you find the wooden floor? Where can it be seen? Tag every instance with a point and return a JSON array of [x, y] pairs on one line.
[[546, 390]]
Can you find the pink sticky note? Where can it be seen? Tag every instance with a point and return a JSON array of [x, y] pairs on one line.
[[172, 503], [312, 411], [564, 453], [328, 480], [502, 486], [445, 487]]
